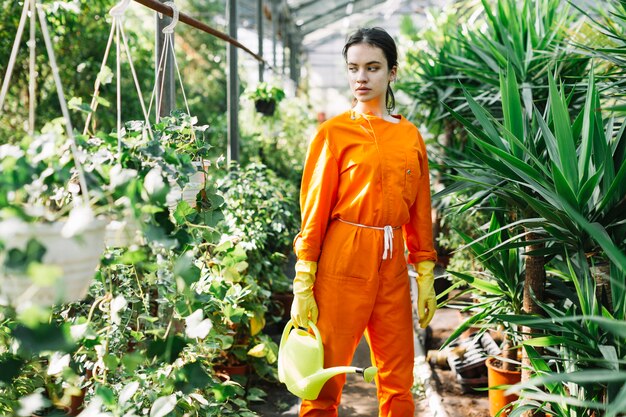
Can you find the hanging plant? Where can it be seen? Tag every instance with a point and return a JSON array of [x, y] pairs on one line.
[[266, 97], [52, 230]]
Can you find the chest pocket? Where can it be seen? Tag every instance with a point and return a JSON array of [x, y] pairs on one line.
[[412, 174]]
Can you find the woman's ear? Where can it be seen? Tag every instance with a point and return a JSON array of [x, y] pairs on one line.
[[392, 74]]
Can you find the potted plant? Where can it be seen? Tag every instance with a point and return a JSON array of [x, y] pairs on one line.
[[501, 283], [181, 132], [266, 97], [256, 192], [52, 228]]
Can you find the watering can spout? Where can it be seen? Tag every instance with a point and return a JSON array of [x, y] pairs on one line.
[[310, 387], [301, 360]]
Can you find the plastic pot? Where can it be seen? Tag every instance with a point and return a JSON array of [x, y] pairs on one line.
[[76, 257], [497, 376]]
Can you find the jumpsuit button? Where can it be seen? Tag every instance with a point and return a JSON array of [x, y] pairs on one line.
[[408, 171]]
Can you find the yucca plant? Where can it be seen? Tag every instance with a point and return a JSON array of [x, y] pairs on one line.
[[563, 175], [501, 283], [427, 76], [570, 174], [531, 36], [583, 368], [605, 40]]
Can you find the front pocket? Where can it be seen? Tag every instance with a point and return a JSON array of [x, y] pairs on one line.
[[349, 252], [412, 175]]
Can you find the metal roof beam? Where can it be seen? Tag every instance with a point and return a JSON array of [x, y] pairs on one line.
[[335, 14]]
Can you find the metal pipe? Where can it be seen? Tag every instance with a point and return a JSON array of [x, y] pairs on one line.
[[259, 23], [161, 8], [232, 100]]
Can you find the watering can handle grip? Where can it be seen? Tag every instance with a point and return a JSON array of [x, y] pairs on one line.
[[318, 337], [285, 335], [290, 325]]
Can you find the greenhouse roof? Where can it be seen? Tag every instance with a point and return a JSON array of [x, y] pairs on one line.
[[314, 20]]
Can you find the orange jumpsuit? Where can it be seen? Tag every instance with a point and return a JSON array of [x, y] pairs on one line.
[[369, 172]]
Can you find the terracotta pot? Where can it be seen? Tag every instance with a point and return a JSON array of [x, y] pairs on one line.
[[497, 376], [226, 372]]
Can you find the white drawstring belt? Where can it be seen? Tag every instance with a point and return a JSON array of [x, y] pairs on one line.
[[387, 236]]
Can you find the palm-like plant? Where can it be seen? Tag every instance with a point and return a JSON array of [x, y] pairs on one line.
[[606, 41], [584, 367], [567, 174], [501, 281]]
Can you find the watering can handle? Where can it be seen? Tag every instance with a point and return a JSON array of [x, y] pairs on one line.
[[290, 325]]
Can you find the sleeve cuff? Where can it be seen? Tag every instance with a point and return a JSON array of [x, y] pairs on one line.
[[304, 253], [420, 256]]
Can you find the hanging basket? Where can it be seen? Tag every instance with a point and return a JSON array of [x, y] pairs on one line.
[[122, 234], [266, 107], [76, 257]]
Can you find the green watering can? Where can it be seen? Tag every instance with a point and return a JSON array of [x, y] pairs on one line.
[[301, 363]]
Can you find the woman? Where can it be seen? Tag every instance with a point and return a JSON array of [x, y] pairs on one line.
[[365, 194]]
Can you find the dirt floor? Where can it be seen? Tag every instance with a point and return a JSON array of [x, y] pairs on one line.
[[442, 396]]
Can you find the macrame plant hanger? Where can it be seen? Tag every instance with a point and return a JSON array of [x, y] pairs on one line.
[[117, 32], [168, 46], [35, 9]]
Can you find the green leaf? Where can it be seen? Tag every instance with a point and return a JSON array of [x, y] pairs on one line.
[[512, 108], [256, 394], [106, 395], [167, 350], [131, 362], [111, 362], [44, 337], [484, 119], [588, 130], [76, 103], [195, 378], [545, 341], [618, 405], [556, 341], [185, 268], [10, 367], [224, 391], [566, 158], [599, 234], [562, 188], [612, 192], [183, 210], [163, 406]]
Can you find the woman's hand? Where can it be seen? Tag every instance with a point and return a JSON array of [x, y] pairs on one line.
[[426, 297], [304, 307]]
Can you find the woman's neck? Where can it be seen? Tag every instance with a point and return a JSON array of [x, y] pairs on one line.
[[375, 110]]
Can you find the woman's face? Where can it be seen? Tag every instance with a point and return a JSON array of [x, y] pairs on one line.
[[367, 72]]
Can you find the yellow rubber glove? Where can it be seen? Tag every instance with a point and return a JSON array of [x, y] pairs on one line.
[[426, 297], [304, 307]]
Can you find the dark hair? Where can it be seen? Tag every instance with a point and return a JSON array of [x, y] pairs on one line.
[[379, 38]]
